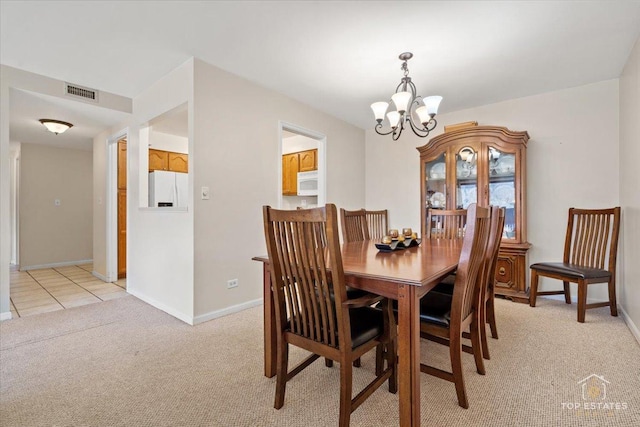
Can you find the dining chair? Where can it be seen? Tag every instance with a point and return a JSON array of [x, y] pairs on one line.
[[444, 318], [590, 250], [486, 312], [377, 222], [354, 225], [446, 224], [312, 310]]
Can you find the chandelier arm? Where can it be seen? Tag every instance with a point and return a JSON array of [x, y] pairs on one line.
[[379, 126], [418, 131]]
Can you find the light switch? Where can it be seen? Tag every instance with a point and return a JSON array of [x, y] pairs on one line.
[[57, 202], [205, 193]]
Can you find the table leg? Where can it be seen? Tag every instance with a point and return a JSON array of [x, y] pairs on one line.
[[409, 355], [269, 324]]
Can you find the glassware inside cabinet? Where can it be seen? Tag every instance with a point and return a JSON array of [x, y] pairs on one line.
[[502, 187], [466, 177], [436, 188]]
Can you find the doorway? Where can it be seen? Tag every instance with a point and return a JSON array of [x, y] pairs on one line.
[[301, 151]]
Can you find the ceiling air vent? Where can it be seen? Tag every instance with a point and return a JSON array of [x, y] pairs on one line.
[[81, 92]]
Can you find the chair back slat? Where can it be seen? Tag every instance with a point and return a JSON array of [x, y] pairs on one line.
[[354, 225], [472, 257], [592, 237], [491, 254], [377, 224], [302, 245], [443, 224]]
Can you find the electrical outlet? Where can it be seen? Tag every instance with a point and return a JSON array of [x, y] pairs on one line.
[[233, 283]]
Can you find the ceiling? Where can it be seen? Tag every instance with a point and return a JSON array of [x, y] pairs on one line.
[[338, 57]]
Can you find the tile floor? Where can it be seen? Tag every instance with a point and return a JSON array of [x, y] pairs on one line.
[[51, 289]]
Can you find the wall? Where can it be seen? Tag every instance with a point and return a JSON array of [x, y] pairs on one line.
[[629, 280], [51, 234], [14, 170], [167, 142], [239, 164], [572, 156], [160, 240]]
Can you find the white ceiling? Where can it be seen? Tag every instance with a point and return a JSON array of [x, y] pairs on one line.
[[336, 56]]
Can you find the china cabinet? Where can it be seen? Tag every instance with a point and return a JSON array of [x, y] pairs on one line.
[[484, 165]]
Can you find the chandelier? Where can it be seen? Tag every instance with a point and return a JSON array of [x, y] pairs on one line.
[[410, 108]]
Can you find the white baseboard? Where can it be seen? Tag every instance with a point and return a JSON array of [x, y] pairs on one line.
[[55, 264], [226, 311], [100, 276], [632, 326], [5, 316], [161, 306]]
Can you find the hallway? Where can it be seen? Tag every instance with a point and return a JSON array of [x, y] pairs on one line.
[[41, 291]]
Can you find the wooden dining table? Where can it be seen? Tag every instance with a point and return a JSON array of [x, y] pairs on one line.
[[404, 275]]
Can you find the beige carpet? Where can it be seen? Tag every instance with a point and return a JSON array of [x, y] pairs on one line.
[[124, 363]]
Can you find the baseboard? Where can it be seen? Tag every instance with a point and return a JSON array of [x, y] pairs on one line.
[[55, 264], [161, 306], [632, 326], [226, 311], [5, 316], [100, 276]]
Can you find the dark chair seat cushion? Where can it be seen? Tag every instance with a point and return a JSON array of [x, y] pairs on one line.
[[435, 308], [366, 324], [571, 270]]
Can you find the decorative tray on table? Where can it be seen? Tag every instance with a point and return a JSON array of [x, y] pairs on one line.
[[396, 244]]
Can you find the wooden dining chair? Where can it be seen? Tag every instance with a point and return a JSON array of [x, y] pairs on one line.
[[354, 225], [443, 224], [376, 223], [312, 310], [444, 318], [486, 313], [590, 250]]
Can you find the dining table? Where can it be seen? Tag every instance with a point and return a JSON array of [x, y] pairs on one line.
[[404, 275]]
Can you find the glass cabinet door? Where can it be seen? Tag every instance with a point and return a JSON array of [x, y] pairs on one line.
[[502, 187], [436, 185], [466, 177]]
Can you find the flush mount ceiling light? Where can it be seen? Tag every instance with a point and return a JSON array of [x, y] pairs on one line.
[[55, 126], [411, 108]]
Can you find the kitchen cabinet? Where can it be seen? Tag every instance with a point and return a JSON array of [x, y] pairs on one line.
[[484, 165], [168, 161], [292, 163], [178, 162]]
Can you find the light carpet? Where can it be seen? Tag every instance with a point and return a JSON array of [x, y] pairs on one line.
[[125, 363]]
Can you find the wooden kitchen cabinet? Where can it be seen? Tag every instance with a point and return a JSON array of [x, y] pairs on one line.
[[158, 160], [178, 162], [484, 165], [308, 161], [292, 163], [168, 161]]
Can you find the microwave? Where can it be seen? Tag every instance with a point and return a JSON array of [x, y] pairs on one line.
[[308, 183]]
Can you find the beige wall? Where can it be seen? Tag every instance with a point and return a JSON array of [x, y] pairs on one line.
[[572, 161], [236, 156], [629, 295], [52, 234]]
